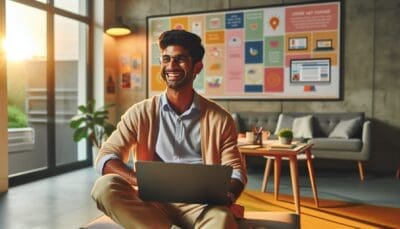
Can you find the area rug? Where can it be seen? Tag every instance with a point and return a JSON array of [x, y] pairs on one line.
[[330, 214]]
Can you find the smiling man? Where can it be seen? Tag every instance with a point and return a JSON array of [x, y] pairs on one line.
[[177, 126]]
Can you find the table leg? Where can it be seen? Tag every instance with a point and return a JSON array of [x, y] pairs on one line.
[[277, 175], [267, 172], [312, 177], [294, 174]]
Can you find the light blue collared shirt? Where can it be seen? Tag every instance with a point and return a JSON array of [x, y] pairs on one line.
[[178, 137]]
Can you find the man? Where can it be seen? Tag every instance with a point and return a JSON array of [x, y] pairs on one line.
[[176, 126]]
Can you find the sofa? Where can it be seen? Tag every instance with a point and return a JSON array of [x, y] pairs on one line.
[[344, 136]]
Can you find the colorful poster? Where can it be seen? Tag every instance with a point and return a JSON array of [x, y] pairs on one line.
[[215, 37], [215, 60], [254, 74], [274, 21], [274, 79], [273, 51], [215, 22], [179, 23], [253, 52], [249, 53], [254, 25], [234, 20], [312, 17], [157, 27], [235, 60], [197, 25]]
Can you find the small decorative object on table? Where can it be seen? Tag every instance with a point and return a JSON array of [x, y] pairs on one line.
[[258, 134], [285, 136]]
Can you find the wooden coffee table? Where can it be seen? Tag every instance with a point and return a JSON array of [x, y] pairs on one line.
[[273, 148]]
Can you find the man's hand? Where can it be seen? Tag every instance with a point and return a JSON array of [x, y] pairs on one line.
[[236, 187], [118, 167], [237, 211], [231, 198]]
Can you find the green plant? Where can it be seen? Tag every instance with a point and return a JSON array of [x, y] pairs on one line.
[[16, 118], [285, 133], [92, 123]]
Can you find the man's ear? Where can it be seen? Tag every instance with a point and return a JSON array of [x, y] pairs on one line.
[[197, 67]]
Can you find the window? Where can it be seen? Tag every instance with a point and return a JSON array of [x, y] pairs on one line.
[[47, 71], [74, 6]]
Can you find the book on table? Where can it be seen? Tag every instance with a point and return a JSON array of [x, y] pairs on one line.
[[283, 146]]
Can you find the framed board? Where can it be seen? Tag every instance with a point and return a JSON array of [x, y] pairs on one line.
[[286, 52]]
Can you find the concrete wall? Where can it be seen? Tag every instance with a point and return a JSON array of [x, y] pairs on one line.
[[371, 65]]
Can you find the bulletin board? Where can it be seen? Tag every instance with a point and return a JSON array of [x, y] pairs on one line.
[[288, 52]]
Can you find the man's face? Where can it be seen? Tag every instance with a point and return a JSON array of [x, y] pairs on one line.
[[177, 69]]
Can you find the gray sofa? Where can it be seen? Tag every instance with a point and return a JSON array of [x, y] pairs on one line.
[[343, 136]]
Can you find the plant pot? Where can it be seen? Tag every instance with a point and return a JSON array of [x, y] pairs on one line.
[[285, 140]]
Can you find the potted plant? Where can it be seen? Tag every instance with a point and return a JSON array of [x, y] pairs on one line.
[[285, 136], [92, 124]]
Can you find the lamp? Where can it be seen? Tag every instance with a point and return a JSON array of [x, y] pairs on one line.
[[118, 29]]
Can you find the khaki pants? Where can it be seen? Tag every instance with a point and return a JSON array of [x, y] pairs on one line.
[[119, 200]]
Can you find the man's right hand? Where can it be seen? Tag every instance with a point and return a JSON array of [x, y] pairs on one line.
[[118, 167]]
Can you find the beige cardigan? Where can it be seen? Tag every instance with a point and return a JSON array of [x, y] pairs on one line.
[[138, 128]]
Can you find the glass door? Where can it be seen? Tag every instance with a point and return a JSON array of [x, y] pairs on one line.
[[26, 52], [70, 85], [47, 50]]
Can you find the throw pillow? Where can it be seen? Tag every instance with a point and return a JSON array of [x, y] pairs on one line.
[[302, 127], [346, 128], [284, 121]]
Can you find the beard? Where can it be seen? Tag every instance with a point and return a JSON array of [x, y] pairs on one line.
[[177, 79]]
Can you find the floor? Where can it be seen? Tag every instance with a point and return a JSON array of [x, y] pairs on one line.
[[64, 201]]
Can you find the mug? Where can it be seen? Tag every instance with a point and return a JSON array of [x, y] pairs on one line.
[[250, 137]]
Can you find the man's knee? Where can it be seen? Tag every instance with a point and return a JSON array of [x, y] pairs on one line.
[[216, 217], [105, 187]]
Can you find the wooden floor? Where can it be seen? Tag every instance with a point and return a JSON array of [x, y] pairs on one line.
[[64, 201]]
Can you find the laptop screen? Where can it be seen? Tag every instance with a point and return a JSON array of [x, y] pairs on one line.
[[183, 183]]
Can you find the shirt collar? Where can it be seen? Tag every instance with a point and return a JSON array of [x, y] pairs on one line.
[[195, 106]]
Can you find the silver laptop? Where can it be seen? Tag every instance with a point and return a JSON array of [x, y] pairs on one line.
[[183, 183]]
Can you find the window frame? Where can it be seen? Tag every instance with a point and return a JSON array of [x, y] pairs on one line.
[[53, 169]]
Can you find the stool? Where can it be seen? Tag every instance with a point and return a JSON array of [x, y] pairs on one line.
[[277, 174]]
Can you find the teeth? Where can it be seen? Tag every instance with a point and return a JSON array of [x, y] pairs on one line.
[[173, 74]]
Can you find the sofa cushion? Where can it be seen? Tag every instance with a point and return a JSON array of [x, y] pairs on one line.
[[324, 123], [337, 144], [346, 128], [246, 121], [301, 126], [284, 121]]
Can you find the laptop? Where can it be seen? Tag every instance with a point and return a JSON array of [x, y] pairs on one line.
[[183, 183]]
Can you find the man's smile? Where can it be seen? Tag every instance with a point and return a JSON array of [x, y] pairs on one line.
[[174, 75]]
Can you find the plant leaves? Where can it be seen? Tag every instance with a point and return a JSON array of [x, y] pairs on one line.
[[80, 133], [77, 121], [83, 109]]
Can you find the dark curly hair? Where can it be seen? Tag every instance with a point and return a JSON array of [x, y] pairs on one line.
[[187, 40]]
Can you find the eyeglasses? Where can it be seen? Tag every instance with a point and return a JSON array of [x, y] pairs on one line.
[[180, 59]]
